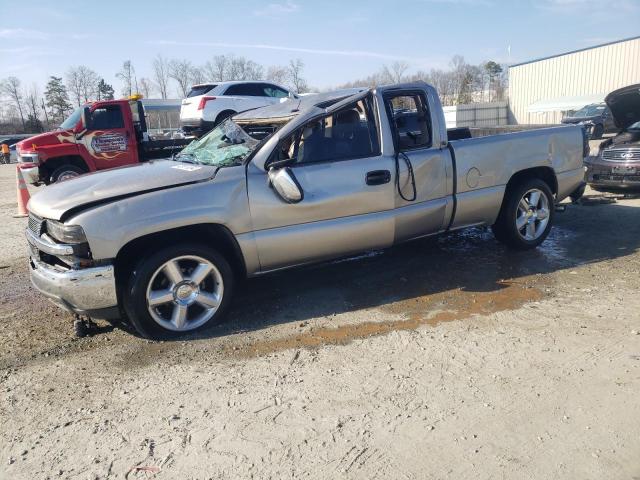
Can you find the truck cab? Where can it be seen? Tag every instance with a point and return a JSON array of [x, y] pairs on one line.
[[96, 136]]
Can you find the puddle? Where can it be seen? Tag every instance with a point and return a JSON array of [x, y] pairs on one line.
[[426, 310]]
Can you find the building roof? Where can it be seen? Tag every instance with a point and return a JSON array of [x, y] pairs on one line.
[[564, 104], [574, 51]]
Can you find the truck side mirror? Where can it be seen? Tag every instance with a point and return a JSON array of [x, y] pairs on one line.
[[86, 118], [285, 184]]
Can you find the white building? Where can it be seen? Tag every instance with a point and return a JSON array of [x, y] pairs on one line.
[[541, 91]]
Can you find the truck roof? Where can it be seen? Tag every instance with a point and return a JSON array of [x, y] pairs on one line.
[[292, 108]]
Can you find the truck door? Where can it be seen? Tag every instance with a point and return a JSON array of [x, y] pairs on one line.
[[109, 140], [348, 195], [424, 189]]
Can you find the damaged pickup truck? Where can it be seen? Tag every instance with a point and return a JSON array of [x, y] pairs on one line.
[[325, 176], [617, 166]]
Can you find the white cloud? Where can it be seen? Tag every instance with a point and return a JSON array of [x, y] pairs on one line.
[[278, 9], [283, 48], [22, 34]]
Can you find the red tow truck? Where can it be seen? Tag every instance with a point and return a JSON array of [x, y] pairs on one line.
[[98, 136]]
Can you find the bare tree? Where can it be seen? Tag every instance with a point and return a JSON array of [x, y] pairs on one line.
[[33, 101], [278, 74], [197, 75], [295, 75], [395, 72], [180, 71], [147, 87], [128, 76], [11, 88], [239, 68], [216, 70], [161, 75], [82, 82]]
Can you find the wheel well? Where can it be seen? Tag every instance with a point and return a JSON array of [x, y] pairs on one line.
[[214, 235], [224, 114], [546, 174], [51, 164]]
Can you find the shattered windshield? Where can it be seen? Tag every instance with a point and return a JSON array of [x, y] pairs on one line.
[[225, 146]]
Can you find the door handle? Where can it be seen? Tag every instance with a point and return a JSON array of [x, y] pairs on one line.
[[378, 177]]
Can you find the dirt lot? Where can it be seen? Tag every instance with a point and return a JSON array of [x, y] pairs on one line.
[[444, 358]]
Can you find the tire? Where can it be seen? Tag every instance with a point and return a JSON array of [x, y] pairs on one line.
[[65, 172], [598, 131], [183, 306], [525, 229]]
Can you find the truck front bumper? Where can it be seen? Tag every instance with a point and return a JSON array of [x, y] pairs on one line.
[[87, 291], [31, 174]]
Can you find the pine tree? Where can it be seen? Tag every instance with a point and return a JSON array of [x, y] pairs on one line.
[[57, 98], [105, 91]]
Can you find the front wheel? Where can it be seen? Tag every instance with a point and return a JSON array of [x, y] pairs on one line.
[[65, 172], [526, 215], [178, 290]]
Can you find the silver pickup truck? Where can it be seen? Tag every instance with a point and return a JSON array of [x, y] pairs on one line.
[[325, 176]]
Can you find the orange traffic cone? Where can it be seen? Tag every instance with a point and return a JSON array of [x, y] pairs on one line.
[[23, 195]]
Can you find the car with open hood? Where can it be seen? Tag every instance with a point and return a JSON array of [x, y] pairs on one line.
[[596, 119], [163, 243], [616, 168]]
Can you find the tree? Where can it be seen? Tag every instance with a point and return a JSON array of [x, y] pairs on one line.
[[180, 71], [161, 75], [197, 75], [57, 98], [11, 88], [493, 71], [239, 68], [104, 90], [127, 75], [278, 74], [217, 69], [32, 101], [146, 87], [295, 75], [82, 82], [395, 72]]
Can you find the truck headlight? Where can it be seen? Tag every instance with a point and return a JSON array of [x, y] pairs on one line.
[[66, 233]]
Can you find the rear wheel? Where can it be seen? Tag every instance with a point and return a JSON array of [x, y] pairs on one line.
[[526, 215], [178, 290], [223, 116], [65, 172]]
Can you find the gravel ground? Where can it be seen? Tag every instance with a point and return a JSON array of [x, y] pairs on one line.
[[444, 358]]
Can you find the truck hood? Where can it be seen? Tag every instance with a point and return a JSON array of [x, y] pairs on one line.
[[576, 120], [48, 138], [59, 200], [625, 105]]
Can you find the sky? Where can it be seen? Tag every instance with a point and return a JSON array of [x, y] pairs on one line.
[[338, 40]]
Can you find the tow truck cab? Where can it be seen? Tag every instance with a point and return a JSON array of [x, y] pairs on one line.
[[98, 136]]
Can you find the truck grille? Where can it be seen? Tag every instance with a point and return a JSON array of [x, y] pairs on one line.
[[622, 155], [36, 224]]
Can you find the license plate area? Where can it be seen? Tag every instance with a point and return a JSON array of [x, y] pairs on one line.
[[624, 170]]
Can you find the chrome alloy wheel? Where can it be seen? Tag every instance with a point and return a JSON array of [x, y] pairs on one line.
[[66, 175], [533, 214], [184, 293]]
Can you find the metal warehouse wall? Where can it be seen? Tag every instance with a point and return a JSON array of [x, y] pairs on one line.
[[593, 71]]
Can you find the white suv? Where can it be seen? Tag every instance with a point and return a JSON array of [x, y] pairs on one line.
[[208, 104]]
